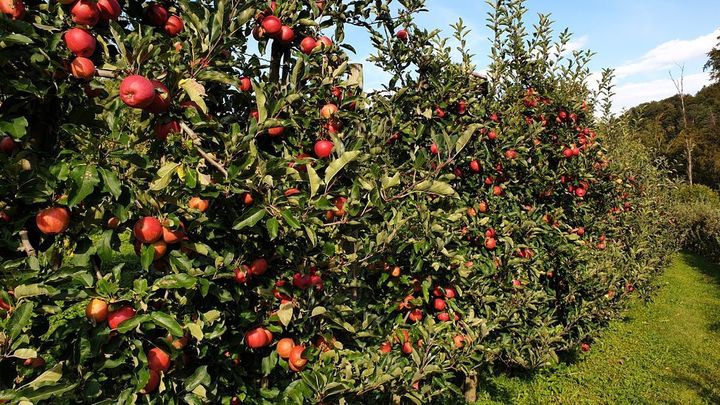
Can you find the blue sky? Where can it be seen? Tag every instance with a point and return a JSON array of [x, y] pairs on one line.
[[641, 39]]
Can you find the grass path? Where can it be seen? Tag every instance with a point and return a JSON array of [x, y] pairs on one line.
[[666, 352]]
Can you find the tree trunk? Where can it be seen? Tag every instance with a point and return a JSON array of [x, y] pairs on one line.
[[471, 383]]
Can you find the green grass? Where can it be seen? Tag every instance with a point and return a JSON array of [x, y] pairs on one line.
[[667, 351]]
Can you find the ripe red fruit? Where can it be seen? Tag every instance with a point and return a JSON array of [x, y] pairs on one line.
[[158, 360], [580, 192], [450, 293], [161, 101], [323, 148], [585, 347], [162, 130], [407, 348], [199, 204], [475, 166], [325, 42], [296, 360], [307, 45], [490, 233], [402, 35], [439, 304], [156, 15], [459, 341], [385, 347], [7, 144], [14, 8], [115, 318], [172, 237], [275, 131], [152, 384], [174, 25], [333, 127], [85, 12], [258, 267], [109, 9], [80, 42], [439, 112], [461, 107], [415, 315], [567, 153], [82, 68], [284, 347], [245, 84], [96, 310], [328, 110], [272, 25], [147, 230], [434, 149], [511, 154], [257, 338], [443, 317], [492, 135], [52, 221], [483, 207], [240, 276], [490, 243], [255, 114], [287, 34], [498, 191], [137, 91]]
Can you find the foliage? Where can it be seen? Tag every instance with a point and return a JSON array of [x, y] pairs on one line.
[[477, 222], [698, 216], [668, 348], [658, 124]]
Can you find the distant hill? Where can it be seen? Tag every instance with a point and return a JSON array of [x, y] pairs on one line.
[[659, 125]]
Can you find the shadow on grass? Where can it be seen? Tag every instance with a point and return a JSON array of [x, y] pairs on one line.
[[704, 266], [702, 381]]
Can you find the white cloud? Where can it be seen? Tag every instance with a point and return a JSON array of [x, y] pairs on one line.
[[576, 45], [631, 94], [669, 54]]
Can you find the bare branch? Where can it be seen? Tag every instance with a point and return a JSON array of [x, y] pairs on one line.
[[205, 155], [27, 246]]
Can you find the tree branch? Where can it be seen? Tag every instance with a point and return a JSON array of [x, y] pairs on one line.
[[27, 246], [110, 74], [205, 155]]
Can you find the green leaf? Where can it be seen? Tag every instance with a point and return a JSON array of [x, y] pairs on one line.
[[336, 165], [260, 100], [14, 39], [147, 256], [195, 330], [317, 311], [285, 313], [435, 187], [250, 219], [20, 318], [268, 363], [15, 128], [290, 219], [465, 137], [47, 378], [195, 91], [31, 290], [314, 180], [171, 281], [111, 182], [168, 322], [163, 176], [85, 178], [388, 182], [272, 226], [25, 353], [132, 323], [200, 376]]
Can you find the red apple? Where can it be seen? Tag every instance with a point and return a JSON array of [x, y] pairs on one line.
[[258, 338], [14, 8], [161, 101], [80, 42], [272, 25], [434, 149], [439, 304], [173, 26], [7, 145], [287, 34], [156, 15], [323, 148], [152, 384], [328, 110], [85, 12], [307, 45], [490, 243], [443, 317], [162, 130], [109, 9], [245, 84], [402, 35], [258, 267], [325, 42], [275, 131], [82, 68], [461, 107], [158, 360], [475, 166], [199, 204], [52, 221], [115, 318], [148, 230], [137, 91]]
